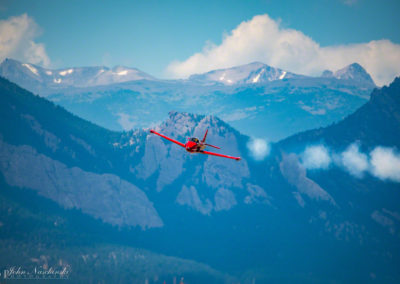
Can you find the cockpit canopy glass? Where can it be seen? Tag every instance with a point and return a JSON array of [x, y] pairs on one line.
[[195, 140]]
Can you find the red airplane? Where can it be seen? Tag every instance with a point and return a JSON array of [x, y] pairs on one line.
[[193, 145]]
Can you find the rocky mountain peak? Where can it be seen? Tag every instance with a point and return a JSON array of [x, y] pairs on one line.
[[188, 124], [252, 73], [353, 72]]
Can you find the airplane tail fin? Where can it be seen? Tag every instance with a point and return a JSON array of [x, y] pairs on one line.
[[204, 140], [205, 136]]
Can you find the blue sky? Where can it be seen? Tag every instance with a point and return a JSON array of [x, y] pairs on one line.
[[150, 35]]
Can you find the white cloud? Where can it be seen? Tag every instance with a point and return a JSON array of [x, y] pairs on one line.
[[382, 162], [354, 161], [17, 36], [385, 163], [259, 148], [263, 39], [316, 157]]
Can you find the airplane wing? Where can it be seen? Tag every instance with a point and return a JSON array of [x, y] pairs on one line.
[[220, 155], [170, 139]]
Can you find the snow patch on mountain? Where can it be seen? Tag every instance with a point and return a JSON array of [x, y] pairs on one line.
[[255, 79], [31, 68], [66, 72], [252, 73], [122, 73]]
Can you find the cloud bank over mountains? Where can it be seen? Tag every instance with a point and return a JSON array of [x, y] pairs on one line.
[[382, 162], [264, 39], [17, 40]]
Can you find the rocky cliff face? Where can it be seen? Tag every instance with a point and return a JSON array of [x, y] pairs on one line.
[[104, 196]]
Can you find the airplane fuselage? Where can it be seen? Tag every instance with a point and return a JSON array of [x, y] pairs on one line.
[[193, 145]]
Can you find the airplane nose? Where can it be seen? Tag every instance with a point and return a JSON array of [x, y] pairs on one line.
[[190, 146]]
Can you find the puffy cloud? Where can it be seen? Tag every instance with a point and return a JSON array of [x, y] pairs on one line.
[[354, 161], [263, 39], [382, 162], [259, 148], [316, 157], [385, 163], [17, 36]]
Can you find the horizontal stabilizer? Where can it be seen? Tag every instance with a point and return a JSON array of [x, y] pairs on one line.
[[213, 146]]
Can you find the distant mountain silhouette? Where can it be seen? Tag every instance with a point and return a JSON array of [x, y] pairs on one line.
[[259, 101]]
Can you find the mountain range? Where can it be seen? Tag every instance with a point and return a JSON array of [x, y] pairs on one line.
[[252, 73], [258, 100], [319, 203], [39, 79]]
